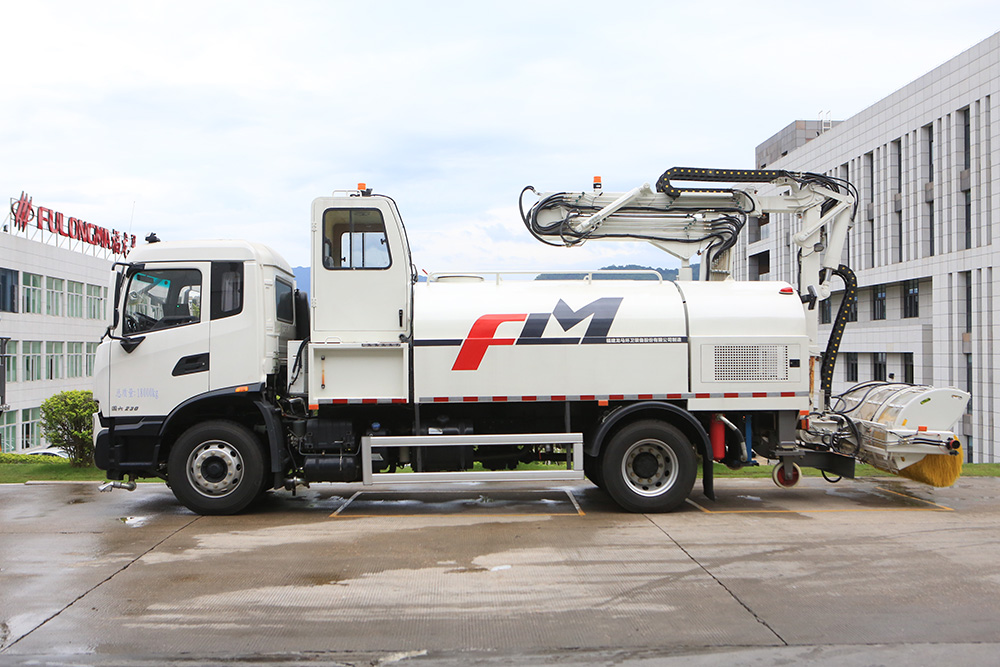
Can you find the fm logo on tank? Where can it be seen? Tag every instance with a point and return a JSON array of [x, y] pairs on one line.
[[481, 336]]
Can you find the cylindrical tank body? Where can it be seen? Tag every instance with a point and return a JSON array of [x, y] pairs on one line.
[[503, 339]]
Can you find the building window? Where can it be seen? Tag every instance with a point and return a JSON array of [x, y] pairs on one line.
[[74, 360], [8, 290], [870, 173], [879, 366], [930, 229], [53, 296], [851, 360], [95, 302], [967, 210], [968, 383], [869, 254], [871, 246], [74, 299], [899, 237], [967, 279], [89, 359], [897, 160], [908, 367], [760, 228], [760, 264], [929, 134], [825, 312], [878, 302], [966, 139], [911, 298], [31, 428], [32, 291], [10, 361], [852, 311], [53, 360], [8, 431], [31, 354]]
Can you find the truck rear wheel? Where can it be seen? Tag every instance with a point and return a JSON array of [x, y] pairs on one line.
[[649, 466], [216, 468]]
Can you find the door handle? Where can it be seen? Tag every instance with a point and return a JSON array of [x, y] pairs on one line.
[[196, 363]]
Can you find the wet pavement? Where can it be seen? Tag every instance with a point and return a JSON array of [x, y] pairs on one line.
[[871, 571]]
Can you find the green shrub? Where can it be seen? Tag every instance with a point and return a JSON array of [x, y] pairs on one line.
[[24, 458], [68, 422]]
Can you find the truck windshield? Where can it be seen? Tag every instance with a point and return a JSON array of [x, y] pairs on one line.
[[159, 299]]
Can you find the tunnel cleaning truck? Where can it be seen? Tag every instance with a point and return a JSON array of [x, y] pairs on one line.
[[220, 377]]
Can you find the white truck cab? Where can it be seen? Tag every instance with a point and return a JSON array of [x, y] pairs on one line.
[[192, 321]]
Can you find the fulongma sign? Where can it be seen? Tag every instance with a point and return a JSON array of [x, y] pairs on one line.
[[23, 213]]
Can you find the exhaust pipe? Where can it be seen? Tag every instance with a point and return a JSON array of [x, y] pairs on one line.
[[108, 486]]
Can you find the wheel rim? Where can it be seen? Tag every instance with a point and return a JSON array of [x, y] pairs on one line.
[[215, 468], [649, 467]]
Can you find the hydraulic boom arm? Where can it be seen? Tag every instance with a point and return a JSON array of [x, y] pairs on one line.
[[686, 221]]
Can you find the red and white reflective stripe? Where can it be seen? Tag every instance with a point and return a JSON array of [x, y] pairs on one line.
[[611, 397], [360, 401]]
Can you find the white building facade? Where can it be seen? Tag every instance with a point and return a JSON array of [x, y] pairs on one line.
[[926, 240], [54, 281]]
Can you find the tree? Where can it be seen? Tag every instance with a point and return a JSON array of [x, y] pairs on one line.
[[68, 422]]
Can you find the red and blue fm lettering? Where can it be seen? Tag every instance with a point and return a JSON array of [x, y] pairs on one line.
[[481, 337]]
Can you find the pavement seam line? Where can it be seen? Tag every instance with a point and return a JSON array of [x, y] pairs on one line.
[[719, 582], [97, 585]]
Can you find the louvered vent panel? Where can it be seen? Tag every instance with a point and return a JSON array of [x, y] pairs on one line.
[[751, 363]]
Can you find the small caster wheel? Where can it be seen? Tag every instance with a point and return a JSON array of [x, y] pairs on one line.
[[786, 480]]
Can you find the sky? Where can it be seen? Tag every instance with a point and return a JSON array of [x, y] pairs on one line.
[[209, 119]]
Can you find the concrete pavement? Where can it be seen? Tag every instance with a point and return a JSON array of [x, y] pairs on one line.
[[876, 569]]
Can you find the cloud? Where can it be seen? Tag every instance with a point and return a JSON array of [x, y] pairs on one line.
[[225, 119]]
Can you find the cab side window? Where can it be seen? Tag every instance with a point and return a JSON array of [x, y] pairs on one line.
[[355, 239], [227, 289], [284, 301], [162, 298]]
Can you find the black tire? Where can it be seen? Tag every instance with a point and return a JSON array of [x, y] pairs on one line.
[[216, 468], [649, 466]]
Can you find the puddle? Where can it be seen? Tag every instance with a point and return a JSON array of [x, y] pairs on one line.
[[134, 521]]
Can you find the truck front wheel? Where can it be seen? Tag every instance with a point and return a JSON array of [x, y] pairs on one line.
[[649, 466], [216, 468]]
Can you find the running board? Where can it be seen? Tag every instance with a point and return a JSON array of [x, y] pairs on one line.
[[566, 439]]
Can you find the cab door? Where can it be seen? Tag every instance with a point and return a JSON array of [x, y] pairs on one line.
[[163, 357], [361, 296], [361, 270]]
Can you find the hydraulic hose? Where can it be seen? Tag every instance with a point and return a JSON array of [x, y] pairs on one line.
[[837, 333]]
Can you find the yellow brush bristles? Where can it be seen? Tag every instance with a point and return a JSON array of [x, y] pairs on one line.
[[935, 469]]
